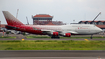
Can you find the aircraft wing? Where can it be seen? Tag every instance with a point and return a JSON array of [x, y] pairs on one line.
[[46, 30], [50, 31], [73, 32]]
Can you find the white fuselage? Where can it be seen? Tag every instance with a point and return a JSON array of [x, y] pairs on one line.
[[52, 30], [82, 28], [72, 28]]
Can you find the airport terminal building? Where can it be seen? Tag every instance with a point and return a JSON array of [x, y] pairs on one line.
[[45, 19], [100, 24], [41, 19]]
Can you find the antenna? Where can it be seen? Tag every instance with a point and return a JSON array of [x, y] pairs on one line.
[[96, 16], [27, 21], [17, 13]]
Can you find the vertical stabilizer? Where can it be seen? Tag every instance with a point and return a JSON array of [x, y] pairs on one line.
[[11, 20]]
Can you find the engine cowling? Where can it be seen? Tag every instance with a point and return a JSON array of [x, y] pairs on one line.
[[55, 33], [67, 35]]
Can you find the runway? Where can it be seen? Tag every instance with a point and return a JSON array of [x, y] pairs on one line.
[[20, 37], [52, 58], [53, 54], [45, 39]]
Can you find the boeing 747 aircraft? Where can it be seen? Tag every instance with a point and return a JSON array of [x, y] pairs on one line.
[[55, 31]]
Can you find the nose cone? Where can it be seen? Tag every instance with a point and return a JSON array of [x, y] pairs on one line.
[[100, 30]]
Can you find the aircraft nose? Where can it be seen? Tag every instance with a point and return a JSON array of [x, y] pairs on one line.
[[100, 30]]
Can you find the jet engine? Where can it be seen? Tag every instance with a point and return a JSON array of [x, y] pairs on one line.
[[55, 33]]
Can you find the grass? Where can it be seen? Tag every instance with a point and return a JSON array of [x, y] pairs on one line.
[[51, 45]]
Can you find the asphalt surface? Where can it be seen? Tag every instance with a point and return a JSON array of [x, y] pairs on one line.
[[52, 53], [52, 58], [20, 37], [44, 39]]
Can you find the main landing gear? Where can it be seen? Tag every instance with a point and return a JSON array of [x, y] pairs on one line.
[[55, 37], [91, 37]]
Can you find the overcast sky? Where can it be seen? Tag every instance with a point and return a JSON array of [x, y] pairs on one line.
[[62, 10]]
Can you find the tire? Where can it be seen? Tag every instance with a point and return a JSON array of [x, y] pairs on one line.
[[55, 37]]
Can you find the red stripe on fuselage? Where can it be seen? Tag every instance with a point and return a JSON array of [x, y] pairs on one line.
[[25, 28]]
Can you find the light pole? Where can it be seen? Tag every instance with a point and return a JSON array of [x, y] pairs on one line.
[[17, 13]]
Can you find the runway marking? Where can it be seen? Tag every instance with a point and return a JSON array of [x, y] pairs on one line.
[[86, 39], [22, 39], [99, 57], [101, 36]]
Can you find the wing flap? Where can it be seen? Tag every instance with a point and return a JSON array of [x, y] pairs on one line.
[[73, 32], [50, 31]]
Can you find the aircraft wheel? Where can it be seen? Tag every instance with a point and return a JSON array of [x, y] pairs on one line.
[[54, 37]]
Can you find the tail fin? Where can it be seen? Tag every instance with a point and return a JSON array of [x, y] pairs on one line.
[[11, 20]]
